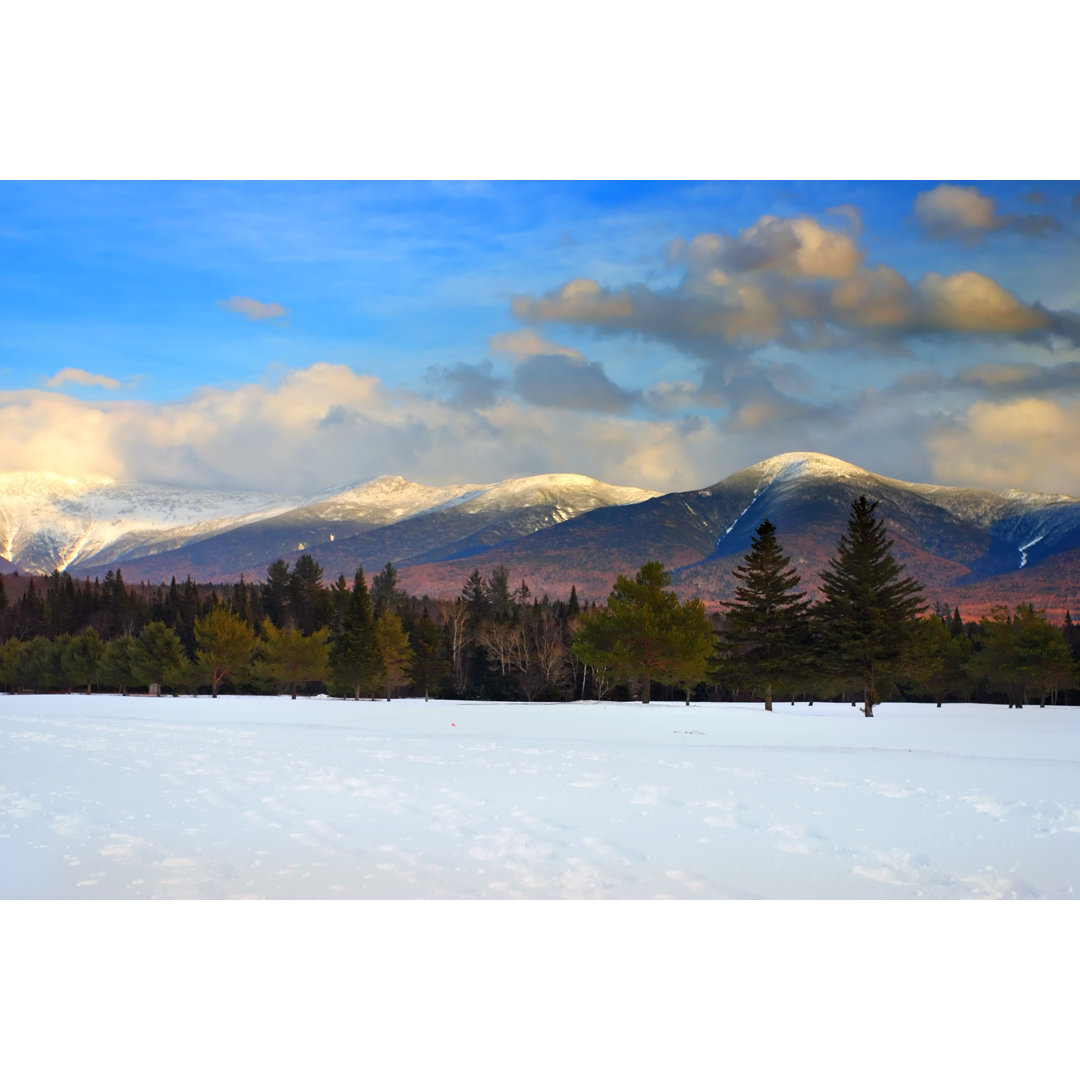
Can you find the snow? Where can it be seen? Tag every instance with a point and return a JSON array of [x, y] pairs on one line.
[[801, 463], [1023, 550], [113, 797], [50, 522]]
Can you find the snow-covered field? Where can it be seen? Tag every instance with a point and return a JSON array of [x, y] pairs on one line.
[[112, 797]]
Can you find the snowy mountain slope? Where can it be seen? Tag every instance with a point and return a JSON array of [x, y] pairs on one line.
[[91, 526], [957, 541], [50, 522], [474, 524], [555, 530]]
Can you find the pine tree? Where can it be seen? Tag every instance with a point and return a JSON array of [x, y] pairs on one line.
[[1041, 655], [288, 658], [869, 612], [225, 645], [276, 593], [501, 600], [355, 660], [156, 655], [766, 622], [645, 633], [430, 665], [385, 594], [397, 653], [573, 605], [477, 598], [81, 659], [309, 603]]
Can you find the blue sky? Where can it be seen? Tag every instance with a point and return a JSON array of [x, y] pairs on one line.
[[299, 335]]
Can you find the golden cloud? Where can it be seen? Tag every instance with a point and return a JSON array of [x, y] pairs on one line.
[[1027, 444], [969, 301]]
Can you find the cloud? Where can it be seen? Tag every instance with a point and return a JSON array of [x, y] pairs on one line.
[[953, 212], [997, 382], [949, 210], [524, 343], [852, 213], [1028, 444], [1022, 380], [552, 375], [755, 404], [973, 303], [670, 396], [83, 378], [327, 424], [795, 283], [578, 301], [471, 386], [254, 310], [793, 247], [565, 382]]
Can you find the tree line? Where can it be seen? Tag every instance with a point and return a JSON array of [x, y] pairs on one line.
[[867, 636], [291, 634]]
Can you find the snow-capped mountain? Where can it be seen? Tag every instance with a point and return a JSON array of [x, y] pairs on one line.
[[968, 546], [84, 525], [50, 522]]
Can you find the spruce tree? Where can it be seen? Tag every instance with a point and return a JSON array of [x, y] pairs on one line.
[[766, 622], [868, 614], [275, 593], [499, 596], [385, 594], [355, 660]]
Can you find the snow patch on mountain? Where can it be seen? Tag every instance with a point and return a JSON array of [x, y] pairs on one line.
[[394, 496], [1024, 551]]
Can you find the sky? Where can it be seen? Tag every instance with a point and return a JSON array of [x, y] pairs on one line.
[[299, 335], [227, 261]]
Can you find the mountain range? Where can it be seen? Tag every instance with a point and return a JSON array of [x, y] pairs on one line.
[[969, 547]]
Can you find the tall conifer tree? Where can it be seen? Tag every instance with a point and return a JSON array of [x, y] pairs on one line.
[[355, 660], [766, 622], [868, 613]]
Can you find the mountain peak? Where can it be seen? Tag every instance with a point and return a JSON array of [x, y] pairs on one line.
[[807, 463]]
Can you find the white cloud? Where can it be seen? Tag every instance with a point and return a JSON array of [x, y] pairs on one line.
[[83, 378]]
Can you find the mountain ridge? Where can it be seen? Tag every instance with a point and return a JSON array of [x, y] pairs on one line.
[[973, 546]]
